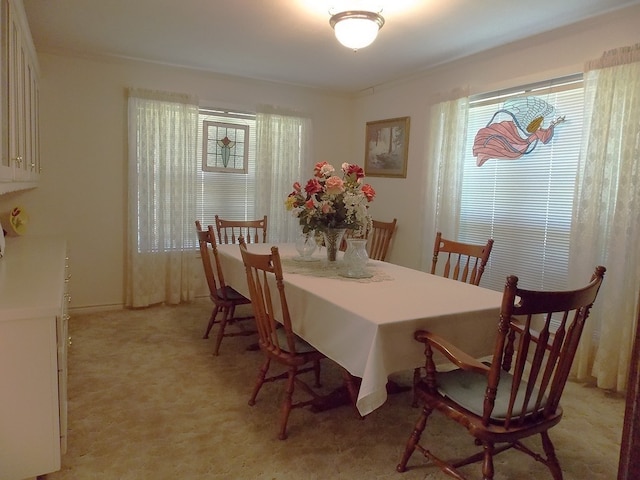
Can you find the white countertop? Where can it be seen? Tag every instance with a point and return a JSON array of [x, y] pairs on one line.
[[30, 274]]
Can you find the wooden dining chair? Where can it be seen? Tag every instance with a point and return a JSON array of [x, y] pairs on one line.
[[464, 261], [224, 298], [509, 399], [378, 239], [230, 231], [275, 335]]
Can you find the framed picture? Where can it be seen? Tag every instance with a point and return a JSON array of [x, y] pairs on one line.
[[386, 148]]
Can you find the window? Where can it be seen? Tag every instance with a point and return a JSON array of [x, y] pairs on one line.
[[525, 204], [227, 192]]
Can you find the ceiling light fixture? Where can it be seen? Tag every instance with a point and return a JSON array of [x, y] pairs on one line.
[[356, 28]]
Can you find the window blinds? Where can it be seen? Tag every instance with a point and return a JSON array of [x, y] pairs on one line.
[[526, 204], [227, 194]]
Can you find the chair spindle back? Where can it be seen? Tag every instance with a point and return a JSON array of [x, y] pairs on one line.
[[230, 231]]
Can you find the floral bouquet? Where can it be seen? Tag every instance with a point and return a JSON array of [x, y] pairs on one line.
[[329, 201]]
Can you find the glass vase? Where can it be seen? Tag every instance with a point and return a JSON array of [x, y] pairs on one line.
[[332, 240], [306, 245], [356, 257]]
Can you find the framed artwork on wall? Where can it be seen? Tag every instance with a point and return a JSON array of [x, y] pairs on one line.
[[387, 147]]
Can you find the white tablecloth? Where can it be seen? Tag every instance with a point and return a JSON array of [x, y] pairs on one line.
[[367, 326]]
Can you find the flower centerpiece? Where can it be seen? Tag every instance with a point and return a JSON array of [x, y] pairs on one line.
[[330, 203]]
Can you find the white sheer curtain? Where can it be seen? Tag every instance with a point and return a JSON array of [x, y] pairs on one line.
[[161, 261], [448, 129], [283, 148], [606, 225]]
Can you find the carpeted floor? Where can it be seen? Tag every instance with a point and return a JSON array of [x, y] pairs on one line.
[[147, 400]]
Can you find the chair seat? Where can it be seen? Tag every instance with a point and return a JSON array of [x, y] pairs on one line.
[[467, 389], [232, 295], [300, 344]]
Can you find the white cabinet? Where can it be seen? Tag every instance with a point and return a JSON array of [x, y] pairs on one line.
[[19, 108], [33, 356]]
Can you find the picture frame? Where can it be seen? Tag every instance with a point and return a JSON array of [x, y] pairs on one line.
[[387, 147]]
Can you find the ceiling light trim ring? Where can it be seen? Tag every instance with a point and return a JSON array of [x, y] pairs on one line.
[[357, 14]]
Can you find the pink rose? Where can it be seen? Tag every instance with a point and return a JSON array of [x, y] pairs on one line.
[[309, 204], [334, 185], [326, 208], [368, 191], [297, 187]]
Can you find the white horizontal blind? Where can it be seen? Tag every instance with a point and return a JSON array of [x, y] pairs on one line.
[[229, 195], [526, 204]]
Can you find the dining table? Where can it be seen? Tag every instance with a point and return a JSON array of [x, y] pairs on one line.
[[366, 325]]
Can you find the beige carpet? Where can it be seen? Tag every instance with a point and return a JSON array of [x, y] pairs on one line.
[[147, 400]]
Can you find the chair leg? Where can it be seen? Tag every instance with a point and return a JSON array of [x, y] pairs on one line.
[[259, 381], [416, 379], [552, 460], [212, 320], [487, 464], [221, 328], [414, 439], [232, 314], [287, 402]]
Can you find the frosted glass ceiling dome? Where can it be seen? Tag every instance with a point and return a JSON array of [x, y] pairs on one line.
[[356, 29]]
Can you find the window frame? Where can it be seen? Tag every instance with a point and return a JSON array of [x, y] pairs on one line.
[[227, 192]]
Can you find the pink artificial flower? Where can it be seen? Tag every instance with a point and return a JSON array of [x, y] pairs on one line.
[[323, 170], [326, 208], [368, 191], [297, 187], [313, 186], [334, 185], [353, 169], [309, 204], [318, 169]]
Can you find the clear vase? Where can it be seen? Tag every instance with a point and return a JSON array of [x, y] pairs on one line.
[[306, 245], [356, 257], [332, 240]]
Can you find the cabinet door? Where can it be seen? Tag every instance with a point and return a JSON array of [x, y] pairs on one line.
[[17, 125], [64, 341], [22, 129], [34, 124], [30, 433], [6, 169]]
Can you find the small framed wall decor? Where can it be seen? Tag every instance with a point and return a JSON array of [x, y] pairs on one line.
[[387, 148]]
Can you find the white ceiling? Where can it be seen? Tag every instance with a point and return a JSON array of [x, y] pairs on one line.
[[290, 40]]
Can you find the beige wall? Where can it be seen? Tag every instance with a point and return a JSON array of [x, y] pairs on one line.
[[82, 195], [558, 53]]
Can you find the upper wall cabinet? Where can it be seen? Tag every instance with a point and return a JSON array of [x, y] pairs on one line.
[[20, 164]]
